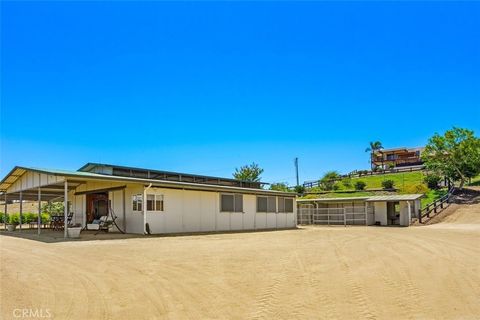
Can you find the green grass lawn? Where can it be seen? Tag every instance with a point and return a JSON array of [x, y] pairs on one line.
[[475, 181], [402, 181], [408, 182]]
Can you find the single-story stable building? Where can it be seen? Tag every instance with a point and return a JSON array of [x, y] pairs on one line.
[[152, 201], [374, 210]]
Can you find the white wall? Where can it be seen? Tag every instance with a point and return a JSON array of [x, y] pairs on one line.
[[381, 213], [404, 218], [184, 211], [199, 211]]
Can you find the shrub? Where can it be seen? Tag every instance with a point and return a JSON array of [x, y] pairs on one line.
[[391, 166], [28, 217], [2, 217], [360, 185], [387, 184], [432, 181], [299, 189], [45, 217], [336, 186], [13, 218], [347, 183]]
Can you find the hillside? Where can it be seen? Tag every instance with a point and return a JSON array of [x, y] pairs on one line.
[[408, 182]]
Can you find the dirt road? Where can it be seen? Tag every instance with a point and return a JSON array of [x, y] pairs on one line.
[[429, 272]]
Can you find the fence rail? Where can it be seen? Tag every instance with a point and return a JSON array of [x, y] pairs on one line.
[[364, 173], [436, 206]]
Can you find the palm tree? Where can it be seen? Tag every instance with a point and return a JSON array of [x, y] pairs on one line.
[[373, 149]]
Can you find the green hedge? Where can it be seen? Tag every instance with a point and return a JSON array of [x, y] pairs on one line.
[[27, 217]]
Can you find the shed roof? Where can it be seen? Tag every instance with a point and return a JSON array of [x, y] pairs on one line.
[[397, 197], [17, 172]]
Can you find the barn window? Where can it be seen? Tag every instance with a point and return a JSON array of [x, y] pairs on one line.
[[137, 202], [150, 202], [266, 204], [231, 202], [281, 204], [159, 202], [261, 204], [154, 202], [288, 205]]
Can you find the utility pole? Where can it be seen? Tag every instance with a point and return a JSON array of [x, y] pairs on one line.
[[296, 170]]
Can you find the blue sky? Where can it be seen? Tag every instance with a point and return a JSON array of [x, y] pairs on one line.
[[207, 87]]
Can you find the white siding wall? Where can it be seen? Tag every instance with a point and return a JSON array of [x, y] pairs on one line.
[[381, 213], [197, 211], [184, 211]]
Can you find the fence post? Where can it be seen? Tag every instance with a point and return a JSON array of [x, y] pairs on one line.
[[328, 216], [435, 206], [344, 216]]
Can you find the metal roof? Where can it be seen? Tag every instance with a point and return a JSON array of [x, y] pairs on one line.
[[135, 172], [399, 197], [17, 172]]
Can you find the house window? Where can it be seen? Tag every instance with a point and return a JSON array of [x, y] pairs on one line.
[[137, 202], [266, 204], [154, 202], [231, 202]]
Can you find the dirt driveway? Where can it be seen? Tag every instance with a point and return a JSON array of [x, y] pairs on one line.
[[429, 272]]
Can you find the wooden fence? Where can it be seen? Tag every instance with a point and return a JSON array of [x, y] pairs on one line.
[[365, 173], [436, 206]]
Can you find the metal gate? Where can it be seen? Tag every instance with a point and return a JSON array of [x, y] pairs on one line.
[[334, 216]]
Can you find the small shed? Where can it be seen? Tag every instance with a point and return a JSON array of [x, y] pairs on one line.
[[373, 210]]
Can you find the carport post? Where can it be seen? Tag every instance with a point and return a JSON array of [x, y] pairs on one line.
[[5, 214], [21, 211], [65, 209], [39, 220]]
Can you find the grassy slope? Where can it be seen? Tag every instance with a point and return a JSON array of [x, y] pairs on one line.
[[405, 182]]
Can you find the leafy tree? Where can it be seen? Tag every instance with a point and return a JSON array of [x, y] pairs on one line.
[[328, 180], [54, 208], [250, 173], [280, 186], [455, 154], [374, 148]]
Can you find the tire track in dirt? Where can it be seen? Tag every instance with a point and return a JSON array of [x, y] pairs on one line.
[[356, 289]]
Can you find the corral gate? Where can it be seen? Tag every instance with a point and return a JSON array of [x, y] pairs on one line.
[[334, 216]]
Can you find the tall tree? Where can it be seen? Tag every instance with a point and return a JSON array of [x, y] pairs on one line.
[[455, 154], [328, 180], [374, 148], [249, 172]]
